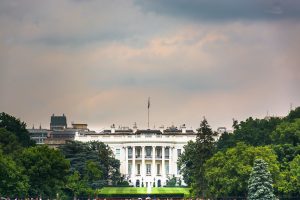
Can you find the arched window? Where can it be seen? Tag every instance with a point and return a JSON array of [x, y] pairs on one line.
[[159, 183]]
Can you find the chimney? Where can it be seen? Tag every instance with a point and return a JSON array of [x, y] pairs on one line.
[[113, 128], [183, 128], [134, 127], [161, 128]]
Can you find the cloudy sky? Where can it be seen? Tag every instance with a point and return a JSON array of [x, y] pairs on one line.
[[99, 61]]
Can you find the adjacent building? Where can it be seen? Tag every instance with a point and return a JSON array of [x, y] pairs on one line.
[[39, 135], [59, 132]]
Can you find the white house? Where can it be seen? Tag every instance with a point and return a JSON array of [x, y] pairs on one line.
[[147, 156]]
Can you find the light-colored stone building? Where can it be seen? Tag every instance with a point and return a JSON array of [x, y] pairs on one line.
[[148, 157]]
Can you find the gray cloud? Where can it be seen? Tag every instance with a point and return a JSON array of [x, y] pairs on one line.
[[98, 62], [215, 10]]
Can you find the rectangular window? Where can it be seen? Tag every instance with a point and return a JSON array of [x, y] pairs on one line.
[[148, 151], [129, 168], [148, 169], [158, 169], [158, 153], [118, 153], [129, 152], [138, 169], [138, 153], [178, 169], [178, 153], [167, 168], [167, 153]]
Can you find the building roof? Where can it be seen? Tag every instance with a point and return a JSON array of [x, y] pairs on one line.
[[148, 131], [143, 131]]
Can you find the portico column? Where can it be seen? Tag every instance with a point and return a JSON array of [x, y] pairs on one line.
[[143, 162], [153, 161], [171, 161], [126, 161], [133, 162], [163, 170]]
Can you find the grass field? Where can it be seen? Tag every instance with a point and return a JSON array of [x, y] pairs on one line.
[[170, 190], [123, 190], [143, 190]]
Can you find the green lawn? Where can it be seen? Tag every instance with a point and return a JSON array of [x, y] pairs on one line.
[[123, 190], [139, 190], [171, 190]]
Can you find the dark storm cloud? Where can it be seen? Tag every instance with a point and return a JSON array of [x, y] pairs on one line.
[[223, 10]]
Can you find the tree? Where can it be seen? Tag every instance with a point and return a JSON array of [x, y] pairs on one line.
[[171, 182], [287, 133], [227, 173], [256, 132], [46, 168], [295, 175], [76, 185], [226, 141], [93, 174], [13, 182], [187, 162], [260, 182], [285, 154], [16, 127], [294, 114], [93, 158], [9, 142], [194, 157], [290, 185]]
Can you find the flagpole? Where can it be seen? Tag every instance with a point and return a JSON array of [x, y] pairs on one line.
[[148, 110]]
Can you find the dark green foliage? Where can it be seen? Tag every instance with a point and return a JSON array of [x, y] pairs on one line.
[[290, 185], [171, 182], [256, 132], [294, 114], [286, 153], [76, 185], [124, 183], [9, 143], [287, 133], [260, 132], [187, 162], [94, 161], [46, 168], [16, 127], [227, 173], [226, 141], [194, 157], [13, 182], [260, 182]]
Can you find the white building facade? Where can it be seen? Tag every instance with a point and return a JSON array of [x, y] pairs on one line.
[[148, 157]]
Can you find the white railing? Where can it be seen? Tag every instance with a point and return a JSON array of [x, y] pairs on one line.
[[137, 138]]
